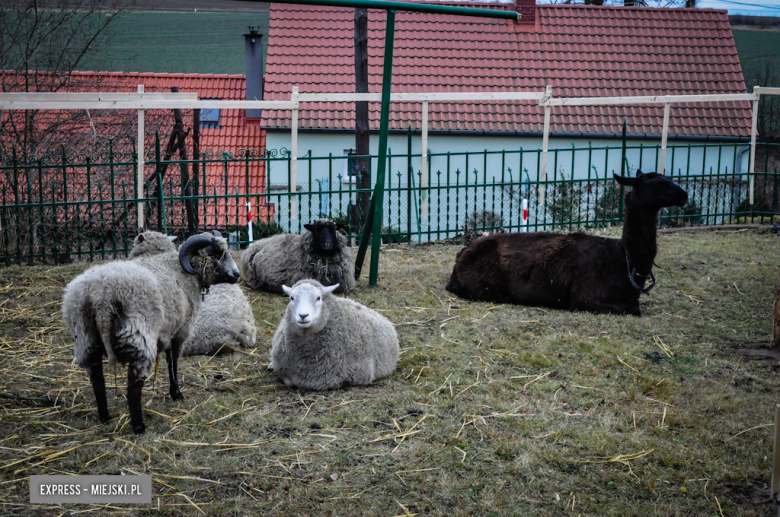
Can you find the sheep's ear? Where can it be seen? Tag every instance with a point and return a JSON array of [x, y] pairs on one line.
[[628, 182], [171, 238], [287, 290], [309, 227], [639, 173], [141, 238], [216, 233], [342, 226], [330, 289]]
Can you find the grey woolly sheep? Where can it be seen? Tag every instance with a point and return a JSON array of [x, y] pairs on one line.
[[321, 253], [151, 243], [131, 311], [326, 342], [225, 322]]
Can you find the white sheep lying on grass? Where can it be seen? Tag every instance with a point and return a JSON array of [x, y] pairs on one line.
[[224, 324], [325, 342]]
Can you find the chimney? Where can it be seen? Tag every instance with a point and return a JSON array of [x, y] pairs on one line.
[[254, 69], [527, 8]]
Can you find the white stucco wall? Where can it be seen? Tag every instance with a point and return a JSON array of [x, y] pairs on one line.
[[450, 208]]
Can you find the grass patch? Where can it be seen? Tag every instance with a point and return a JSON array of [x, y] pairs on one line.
[[493, 410]]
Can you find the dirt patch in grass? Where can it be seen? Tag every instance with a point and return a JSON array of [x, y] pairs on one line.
[[492, 410]]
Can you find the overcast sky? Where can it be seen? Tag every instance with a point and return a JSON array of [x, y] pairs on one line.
[[752, 7]]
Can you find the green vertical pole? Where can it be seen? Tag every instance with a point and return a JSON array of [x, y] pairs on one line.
[[374, 217]]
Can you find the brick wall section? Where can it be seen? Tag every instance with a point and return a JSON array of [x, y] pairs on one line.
[[527, 8]]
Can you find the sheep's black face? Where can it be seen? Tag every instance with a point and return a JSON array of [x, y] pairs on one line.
[[324, 239], [208, 257], [225, 269], [655, 190]]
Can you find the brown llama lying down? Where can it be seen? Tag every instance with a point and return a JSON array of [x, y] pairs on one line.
[[574, 271]]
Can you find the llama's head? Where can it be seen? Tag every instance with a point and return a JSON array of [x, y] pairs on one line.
[[654, 191]]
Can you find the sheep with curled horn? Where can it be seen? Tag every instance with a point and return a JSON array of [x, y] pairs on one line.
[[225, 321], [131, 311], [320, 253], [574, 271]]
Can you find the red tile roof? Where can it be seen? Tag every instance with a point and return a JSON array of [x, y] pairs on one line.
[[233, 136], [582, 51]]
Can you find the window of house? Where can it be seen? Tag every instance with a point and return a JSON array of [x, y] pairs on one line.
[[348, 175], [209, 118]]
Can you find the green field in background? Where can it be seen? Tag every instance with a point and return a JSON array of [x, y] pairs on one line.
[[755, 47], [178, 43]]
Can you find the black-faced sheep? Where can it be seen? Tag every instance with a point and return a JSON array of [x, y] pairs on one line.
[[151, 243], [325, 342], [572, 271], [320, 253], [130, 311]]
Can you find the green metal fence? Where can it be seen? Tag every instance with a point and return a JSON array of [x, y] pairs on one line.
[[60, 208]]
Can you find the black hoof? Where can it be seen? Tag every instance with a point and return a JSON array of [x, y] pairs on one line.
[[139, 428], [177, 396], [104, 418]]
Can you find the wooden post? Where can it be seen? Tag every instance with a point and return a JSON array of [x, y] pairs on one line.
[[545, 144], [424, 177], [753, 134], [294, 154], [665, 135], [140, 175], [362, 136], [776, 457]]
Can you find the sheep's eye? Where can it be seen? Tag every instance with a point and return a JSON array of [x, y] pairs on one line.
[[319, 298], [292, 298]]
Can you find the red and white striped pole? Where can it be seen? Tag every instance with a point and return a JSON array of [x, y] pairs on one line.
[[249, 220], [524, 222]]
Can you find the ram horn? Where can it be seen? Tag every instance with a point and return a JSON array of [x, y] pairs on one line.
[[191, 247]]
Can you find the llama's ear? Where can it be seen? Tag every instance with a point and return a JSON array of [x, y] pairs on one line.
[[330, 289], [628, 182], [287, 290]]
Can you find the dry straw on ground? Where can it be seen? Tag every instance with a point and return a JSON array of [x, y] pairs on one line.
[[493, 410]]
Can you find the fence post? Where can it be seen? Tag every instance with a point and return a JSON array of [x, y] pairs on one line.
[[293, 187], [753, 133], [545, 143], [409, 172], [424, 162], [665, 135]]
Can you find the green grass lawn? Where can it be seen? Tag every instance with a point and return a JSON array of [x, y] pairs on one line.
[[492, 410], [205, 43]]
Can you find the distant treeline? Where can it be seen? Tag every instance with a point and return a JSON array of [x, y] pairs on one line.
[[759, 21]]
